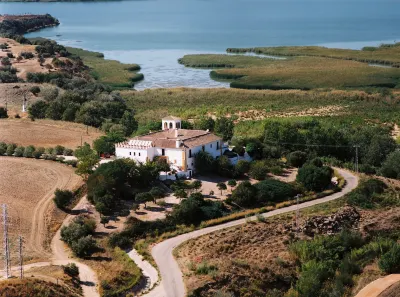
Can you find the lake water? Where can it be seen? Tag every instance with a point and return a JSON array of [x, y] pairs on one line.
[[155, 33]]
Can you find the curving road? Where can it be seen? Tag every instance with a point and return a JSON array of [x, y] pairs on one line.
[[172, 284], [377, 287]]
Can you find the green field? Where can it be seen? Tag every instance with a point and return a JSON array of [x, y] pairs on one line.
[[387, 54], [110, 72], [304, 73], [252, 107]]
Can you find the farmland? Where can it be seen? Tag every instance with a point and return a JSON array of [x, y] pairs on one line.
[[45, 133], [27, 188], [294, 73]]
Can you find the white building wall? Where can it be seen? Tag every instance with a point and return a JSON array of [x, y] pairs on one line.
[[139, 155], [210, 148]]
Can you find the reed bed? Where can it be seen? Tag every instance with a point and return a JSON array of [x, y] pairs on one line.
[[303, 73], [387, 54]]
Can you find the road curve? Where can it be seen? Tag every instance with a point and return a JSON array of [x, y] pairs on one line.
[[377, 287], [172, 285]]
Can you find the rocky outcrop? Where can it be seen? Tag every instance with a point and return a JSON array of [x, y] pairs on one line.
[[346, 217]]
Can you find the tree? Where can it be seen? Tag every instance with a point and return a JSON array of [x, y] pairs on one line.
[[315, 178], [3, 148], [272, 191], [390, 262], [143, 197], [232, 183], [391, 167], [297, 159], [180, 193], [203, 162], [129, 122], [71, 269], [62, 198], [38, 109], [205, 123], [84, 246], [196, 185], [39, 151], [224, 128], [221, 186], [104, 220], [241, 168], [3, 113], [28, 152], [19, 151], [10, 149], [258, 170], [245, 194], [87, 160], [156, 193]]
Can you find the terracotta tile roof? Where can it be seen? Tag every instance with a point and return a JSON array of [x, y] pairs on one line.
[[168, 138], [171, 118]]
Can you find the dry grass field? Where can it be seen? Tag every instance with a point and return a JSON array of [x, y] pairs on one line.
[[45, 133], [27, 187]]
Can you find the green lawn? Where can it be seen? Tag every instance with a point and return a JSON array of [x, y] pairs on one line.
[[110, 72]]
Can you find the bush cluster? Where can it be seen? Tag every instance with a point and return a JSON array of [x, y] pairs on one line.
[[78, 235]]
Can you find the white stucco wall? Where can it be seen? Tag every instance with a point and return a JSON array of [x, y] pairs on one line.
[[210, 148], [139, 155]]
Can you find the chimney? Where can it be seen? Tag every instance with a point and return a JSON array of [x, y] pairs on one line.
[[176, 133], [178, 143]]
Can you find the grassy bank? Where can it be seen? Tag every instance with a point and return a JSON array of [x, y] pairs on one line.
[[110, 72], [302, 73], [387, 54], [252, 107]]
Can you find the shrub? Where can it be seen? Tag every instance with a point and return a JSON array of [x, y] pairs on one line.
[[297, 159], [367, 193], [71, 269], [59, 150], [38, 152], [244, 195], [3, 148], [258, 170], [315, 178], [390, 262], [3, 113], [35, 90], [62, 198], [241, 168], [10, 149], [27, 55], [19, 151], [84, 246], [68, 152], [38, 110], [28, 152], [271, 190], [391, 166]]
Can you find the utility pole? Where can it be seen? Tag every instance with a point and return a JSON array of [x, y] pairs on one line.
[[7, 271], [297, 212], [356, 159], [21, 267]]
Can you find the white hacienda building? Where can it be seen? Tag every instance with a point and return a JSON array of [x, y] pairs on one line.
[[178, 146]]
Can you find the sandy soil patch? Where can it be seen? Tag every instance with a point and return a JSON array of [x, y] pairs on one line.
[[27, 187], [46, 133], [251, 115]]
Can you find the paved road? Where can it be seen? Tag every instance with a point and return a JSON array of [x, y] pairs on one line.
[[377, 287], [172, 284]]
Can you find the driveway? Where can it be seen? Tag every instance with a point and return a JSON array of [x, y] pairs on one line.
[[172, 285]]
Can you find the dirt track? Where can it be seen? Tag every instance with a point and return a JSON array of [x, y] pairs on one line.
[[27, 187]]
